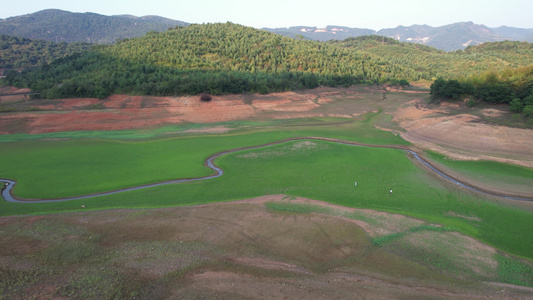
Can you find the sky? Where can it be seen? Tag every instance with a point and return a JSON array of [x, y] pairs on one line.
[[371, 14]]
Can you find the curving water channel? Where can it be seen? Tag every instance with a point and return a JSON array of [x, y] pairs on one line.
[[9, 184]]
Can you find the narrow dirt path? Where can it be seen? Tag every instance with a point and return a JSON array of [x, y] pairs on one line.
[[9, 184]]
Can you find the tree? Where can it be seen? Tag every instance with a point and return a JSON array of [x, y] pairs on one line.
[[528, 111], [438, 87], [516, 105], [453, 89], [495, 92], [528, 100], [404, 82]]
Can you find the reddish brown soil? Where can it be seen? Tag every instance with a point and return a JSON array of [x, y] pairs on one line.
[[461, 136], [12, 90], [128, 112]]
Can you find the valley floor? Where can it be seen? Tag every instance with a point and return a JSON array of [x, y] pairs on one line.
[[263, 248], [272, 246], [457, 131], [460, 133]]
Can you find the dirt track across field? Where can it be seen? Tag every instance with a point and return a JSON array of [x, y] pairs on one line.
[[210, 162], [242, 249], [450, 129], [445, 128]]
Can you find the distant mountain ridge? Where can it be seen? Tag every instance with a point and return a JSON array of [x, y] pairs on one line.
[[63, 26], [448, 37], [521, 34], [58, 26], [321, 34]]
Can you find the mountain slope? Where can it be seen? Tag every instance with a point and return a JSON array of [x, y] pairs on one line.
[[21, 53], [58, 26], [449, 37], [215, 58], [229, 58], [321, 34], [520, 34], [425, 62]]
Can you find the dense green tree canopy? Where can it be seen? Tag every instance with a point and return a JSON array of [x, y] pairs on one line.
[[21, 53], [510, 86], [228, 58], [214, 58], [422, 62]]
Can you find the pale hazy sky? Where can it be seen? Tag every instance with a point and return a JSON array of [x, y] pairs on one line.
[[373, 14]]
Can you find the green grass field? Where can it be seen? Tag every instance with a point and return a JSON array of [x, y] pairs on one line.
[[309, 168], [503, 176], [78, 166]]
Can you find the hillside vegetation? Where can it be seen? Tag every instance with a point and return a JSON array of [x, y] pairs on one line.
[[214, 58], [64, 26], [228, 58], [16, 53], [59, 25], [496, 73], [509, 86], [424, 62]]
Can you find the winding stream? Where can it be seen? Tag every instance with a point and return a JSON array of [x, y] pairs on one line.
[[9, 184]]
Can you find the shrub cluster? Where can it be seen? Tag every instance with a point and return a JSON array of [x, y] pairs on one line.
[[512, 86]]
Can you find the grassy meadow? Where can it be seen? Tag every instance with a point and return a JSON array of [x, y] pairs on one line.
[[503, 176], [77, 166], [321, 170]]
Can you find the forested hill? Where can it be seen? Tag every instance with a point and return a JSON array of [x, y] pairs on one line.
[[22, 53], [374, 59], [215, 58], [63, 26], [228, 46], [230, 58], [429, 63]]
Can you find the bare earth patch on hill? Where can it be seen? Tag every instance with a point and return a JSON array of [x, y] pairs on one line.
[[132, 112], [464, 136]]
